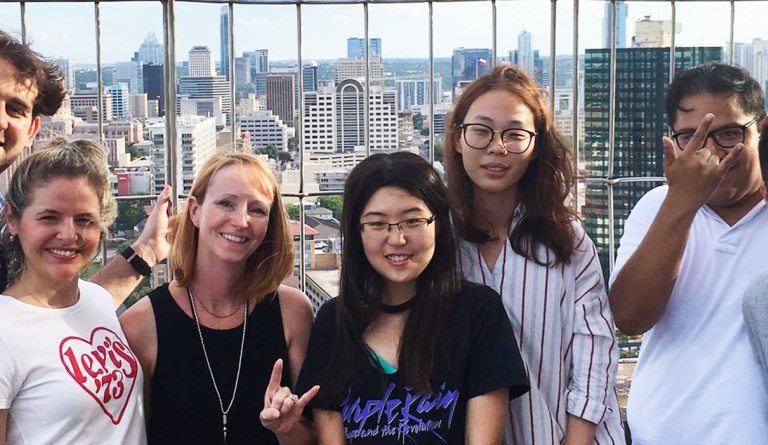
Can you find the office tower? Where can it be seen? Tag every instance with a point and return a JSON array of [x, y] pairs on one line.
[[132, 74], [265, 128], [640, 122], [68, 70], [281, 96], [653, 33], [151, 51], [243, 82], [412, 92], [85, 104], [153, 85], [753, 57], [334, 119], [468, 65], [355, 69], [120, 101], [209, 89], [201, 62], [195, 143], [621, 24], [224, 40], [138, 105], [310, 76], [259, 60], [525, 58], [356, 48], [538, 72]]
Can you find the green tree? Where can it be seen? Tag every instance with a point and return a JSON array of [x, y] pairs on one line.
[[129, 213], [439, 149], [270, 150], [284, 156], [425, 131], [293, 144], [418, 121], [332, 203], [293, 211]]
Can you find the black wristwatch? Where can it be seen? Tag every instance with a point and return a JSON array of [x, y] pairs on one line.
[[138, 263]]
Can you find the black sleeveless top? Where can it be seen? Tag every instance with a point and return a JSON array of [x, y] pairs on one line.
[[184, 408]]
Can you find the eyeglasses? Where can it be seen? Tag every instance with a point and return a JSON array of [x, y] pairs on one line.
[[726, 138], [480, 136], [410, 226]]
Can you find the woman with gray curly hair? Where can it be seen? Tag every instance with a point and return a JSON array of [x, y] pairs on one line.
[[59, 336]]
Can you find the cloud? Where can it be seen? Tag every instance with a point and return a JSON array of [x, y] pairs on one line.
[[42, 37]]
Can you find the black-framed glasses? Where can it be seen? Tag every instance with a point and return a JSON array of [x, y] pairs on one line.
[[410, 226], [726, 138], [480, 136]]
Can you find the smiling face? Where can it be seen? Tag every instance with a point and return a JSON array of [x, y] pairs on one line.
[[741, 184], [58, 231], [493, 170], [399, 259], [233, 217], [17, 126]]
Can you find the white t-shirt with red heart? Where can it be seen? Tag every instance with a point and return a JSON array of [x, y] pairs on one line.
[[67, 375]]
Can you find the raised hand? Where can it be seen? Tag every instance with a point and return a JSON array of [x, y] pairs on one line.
[[152, 242], [695, 173], [282, 409]]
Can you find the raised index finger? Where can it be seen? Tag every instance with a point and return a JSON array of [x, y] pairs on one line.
[[699, 137], [274, 381]]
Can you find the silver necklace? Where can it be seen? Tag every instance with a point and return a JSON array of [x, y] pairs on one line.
[[224, 412]]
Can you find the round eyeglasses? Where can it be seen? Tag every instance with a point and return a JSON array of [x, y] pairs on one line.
[[480, 136], [726, 138]]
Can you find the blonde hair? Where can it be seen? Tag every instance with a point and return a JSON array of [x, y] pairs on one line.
[[268, 266], [59, 158]]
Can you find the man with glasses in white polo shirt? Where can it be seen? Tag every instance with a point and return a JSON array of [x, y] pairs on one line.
[[688, 251]]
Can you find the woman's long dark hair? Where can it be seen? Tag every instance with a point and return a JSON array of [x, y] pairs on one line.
[[544, 187], [360, 284]]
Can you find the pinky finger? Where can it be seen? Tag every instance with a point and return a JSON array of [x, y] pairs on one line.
[[308, 396]]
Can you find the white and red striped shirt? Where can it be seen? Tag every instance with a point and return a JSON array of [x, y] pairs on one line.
[[566, 335]]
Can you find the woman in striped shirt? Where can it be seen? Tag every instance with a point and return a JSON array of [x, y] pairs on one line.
[[509, 176]]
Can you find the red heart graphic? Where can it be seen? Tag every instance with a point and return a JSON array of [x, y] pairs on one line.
[[104, 367]]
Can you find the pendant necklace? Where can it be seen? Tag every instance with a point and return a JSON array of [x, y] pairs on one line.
[[224, 412]]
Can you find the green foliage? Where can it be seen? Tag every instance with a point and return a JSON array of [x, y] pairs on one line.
[[439, 149], [270, 151], [293, 211], [129, 213], [425, 131], [142, 289], [284, 156], [332, 203], [293, 143], [418, 121]]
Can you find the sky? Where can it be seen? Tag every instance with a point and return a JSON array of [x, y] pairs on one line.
[[68, 29]]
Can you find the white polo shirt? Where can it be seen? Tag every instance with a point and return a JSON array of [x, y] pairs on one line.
[[697, 380]]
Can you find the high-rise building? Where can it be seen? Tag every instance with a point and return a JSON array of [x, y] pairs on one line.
[[201, 62], [356, 48], [654, 33], [132, 74], [281, 96], [411, 92], [355, 69], [195, 143], [753, 57], [640, 122], [120, 101], [525, 58], [206, 87], [259, 60], [85, 104], [468, 65], [153, 86], [621, 24], [224, 40], [138, 105], [537, 74], [243, 83], [334, 119], [310, 76], [265, 128], [68, 70], [151, 51]]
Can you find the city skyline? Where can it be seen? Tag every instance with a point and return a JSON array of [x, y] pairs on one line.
[[58, 29]]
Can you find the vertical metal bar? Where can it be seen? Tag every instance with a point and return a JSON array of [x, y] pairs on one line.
[[171, 166], [494, 56], [302, 236], [23, 13], [100, 88], [232, 81], [731, 43], [553, 55], [672, 42], [432, 84], [612, 139], [367, 87], [575, 101]]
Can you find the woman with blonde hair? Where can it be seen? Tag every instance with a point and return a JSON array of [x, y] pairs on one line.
[[60, 340], [225, 334], [509, 176]]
